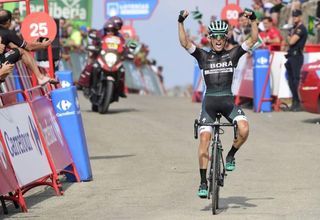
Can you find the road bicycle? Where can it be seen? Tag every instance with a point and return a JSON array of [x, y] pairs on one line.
[[217, 171]]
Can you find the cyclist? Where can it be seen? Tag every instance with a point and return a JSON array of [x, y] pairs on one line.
[[217, 67]]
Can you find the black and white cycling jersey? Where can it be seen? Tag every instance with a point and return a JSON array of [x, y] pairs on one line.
[[218, 67]]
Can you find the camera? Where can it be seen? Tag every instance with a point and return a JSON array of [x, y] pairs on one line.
[[12, 56]]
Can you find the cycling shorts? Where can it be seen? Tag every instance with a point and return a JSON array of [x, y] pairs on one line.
[[219, 104]]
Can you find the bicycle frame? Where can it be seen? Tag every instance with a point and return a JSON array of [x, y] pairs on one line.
[[216, 175]]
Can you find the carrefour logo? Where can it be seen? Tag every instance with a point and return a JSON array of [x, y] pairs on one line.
[[20, 142], [64, 105], [65, 84], [2, 156], [262, 60]]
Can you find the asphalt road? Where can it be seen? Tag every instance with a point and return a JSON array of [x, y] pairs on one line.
[[144, 163]]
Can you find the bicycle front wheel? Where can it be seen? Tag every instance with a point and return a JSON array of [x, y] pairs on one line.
[[215, 179]]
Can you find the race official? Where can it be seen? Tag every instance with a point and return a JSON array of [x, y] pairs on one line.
[[296, 41]]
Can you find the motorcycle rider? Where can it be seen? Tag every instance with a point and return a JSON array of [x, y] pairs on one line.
[[118, 23], [111, 27]]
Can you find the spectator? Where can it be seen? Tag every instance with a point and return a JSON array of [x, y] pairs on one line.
[[267, 5], [84, 37], [296, 41], [241, 33], [159, 74], [257, 7], [11, 39], [275, 11], [231, 42], [16, 21], [318, 10], [271, 34]]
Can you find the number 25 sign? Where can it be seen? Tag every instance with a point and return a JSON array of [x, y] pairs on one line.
[[36, 25]]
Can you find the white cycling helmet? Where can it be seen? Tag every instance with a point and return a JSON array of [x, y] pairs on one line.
[[218, 27]]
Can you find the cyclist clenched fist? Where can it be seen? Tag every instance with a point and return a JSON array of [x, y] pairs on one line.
[[217, 67]]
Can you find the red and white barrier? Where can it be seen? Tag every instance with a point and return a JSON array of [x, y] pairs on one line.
[[33, 150], [243, 77], [52, 134], [23, 142]]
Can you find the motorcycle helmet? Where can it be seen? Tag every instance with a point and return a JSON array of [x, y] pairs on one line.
[[109, 27], [117, 22]]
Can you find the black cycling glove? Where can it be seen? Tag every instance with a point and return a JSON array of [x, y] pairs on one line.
[[250, 14], [181, 18]]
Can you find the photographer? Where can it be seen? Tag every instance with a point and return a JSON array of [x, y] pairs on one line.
[[11, 39]]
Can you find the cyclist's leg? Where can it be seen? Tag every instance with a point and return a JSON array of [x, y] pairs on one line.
[[235, 113], [205, 133]]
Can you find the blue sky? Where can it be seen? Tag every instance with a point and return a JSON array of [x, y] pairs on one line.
[[161, 34]]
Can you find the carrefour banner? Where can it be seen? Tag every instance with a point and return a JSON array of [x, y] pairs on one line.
[[22, 139], [75, 10]]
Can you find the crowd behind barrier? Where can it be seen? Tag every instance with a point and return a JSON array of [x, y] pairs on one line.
[[275, 23]]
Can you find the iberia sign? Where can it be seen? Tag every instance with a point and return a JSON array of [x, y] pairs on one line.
[[78, 10]]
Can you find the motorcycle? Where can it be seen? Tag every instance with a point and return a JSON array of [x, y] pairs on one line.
[[107, 70]]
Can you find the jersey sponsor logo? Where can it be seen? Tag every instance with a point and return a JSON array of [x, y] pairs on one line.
[[221, 65], [225, 56], [214, 71]]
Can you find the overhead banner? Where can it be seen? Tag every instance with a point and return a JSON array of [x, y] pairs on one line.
[[22, 139], [130, 9], [75, 10]]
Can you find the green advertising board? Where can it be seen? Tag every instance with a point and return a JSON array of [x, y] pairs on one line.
[[79, 11]]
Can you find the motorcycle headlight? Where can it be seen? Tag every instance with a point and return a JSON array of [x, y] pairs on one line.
[[111, 59]]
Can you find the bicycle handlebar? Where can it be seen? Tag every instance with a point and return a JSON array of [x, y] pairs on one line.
[[214, 124]]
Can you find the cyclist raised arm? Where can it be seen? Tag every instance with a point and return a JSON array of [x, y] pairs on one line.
[[183, 37], [217, 67]]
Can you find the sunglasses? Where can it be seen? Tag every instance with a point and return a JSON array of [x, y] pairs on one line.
[[218, 36]]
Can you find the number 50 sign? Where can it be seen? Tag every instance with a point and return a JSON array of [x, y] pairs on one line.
[[38, 24], [231, 13]]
